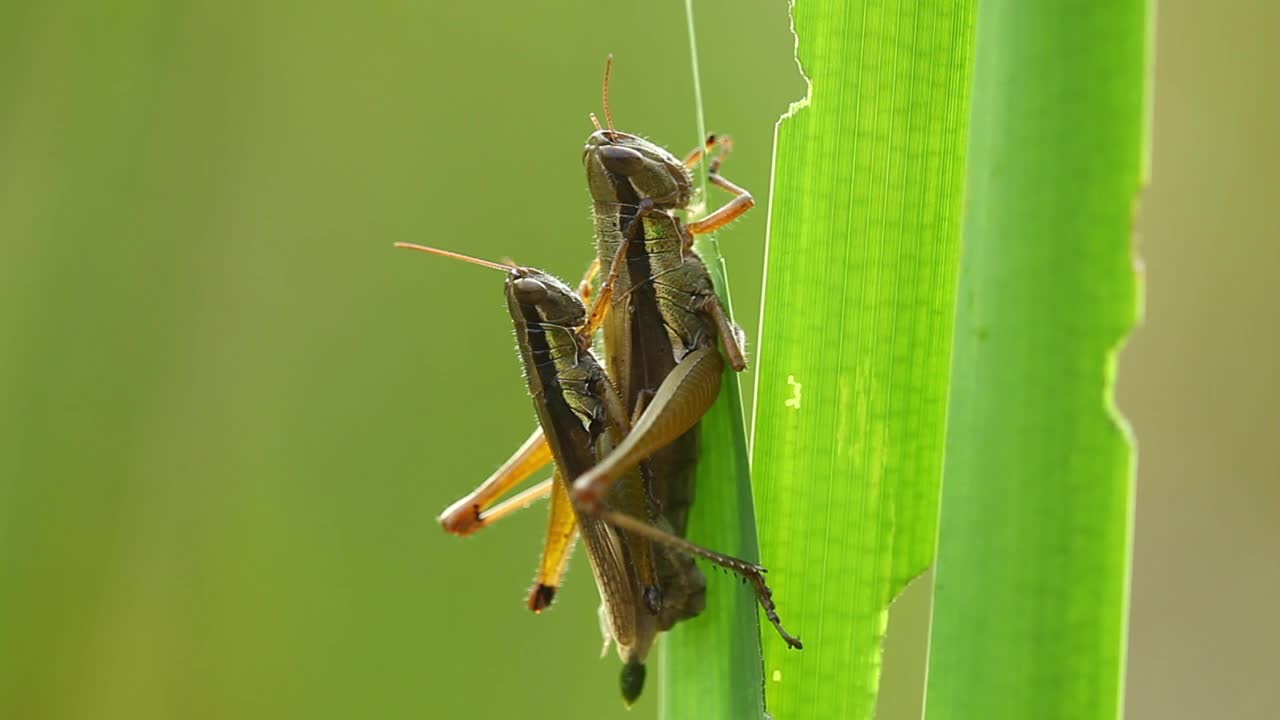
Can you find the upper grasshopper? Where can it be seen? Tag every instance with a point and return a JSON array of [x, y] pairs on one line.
[[664, 319], [661, 329]]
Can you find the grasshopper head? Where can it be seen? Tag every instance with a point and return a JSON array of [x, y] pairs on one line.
[[614, 158], [532, 295], [545, 297]]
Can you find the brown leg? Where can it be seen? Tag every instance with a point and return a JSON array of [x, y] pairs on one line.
[[665, 419], [727, 331], [750, 572], [681, 400]]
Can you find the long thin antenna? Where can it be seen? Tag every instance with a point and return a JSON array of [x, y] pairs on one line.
[[608, 72], [455, 256]]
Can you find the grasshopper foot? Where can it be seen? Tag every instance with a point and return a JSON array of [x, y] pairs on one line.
[[541, 596]]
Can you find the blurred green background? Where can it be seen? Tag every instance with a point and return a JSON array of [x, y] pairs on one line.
[[229, 411]]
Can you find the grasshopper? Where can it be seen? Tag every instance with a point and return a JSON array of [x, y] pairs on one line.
[[664, 319], [661, 329], [582, 418]]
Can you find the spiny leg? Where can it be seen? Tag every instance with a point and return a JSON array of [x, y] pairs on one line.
[[681, 400], [467, 515], [750, 572]]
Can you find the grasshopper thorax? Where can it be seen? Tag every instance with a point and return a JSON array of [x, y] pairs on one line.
[[613, 158]]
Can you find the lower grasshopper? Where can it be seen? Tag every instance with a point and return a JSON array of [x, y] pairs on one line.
[[581, 418]]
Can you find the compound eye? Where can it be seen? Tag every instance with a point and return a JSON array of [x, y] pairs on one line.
[[621, 160], [529, 291]]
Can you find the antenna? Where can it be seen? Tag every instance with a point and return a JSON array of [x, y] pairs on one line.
[[608, 72], [456, 256]]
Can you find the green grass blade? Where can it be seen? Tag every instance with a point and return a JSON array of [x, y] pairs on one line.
[[855, 342], [1031, 597], [709, 667]]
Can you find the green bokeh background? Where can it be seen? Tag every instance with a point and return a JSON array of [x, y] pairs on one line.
[[229, 412]]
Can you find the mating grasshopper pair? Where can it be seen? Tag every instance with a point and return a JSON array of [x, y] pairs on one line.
[[624, 441]]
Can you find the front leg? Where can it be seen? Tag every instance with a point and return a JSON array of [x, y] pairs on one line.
[[734, 209], [742, 200]]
